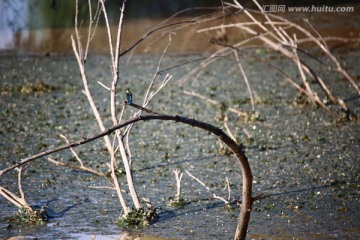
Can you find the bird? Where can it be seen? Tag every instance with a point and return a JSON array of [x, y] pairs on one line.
[[129, 97]]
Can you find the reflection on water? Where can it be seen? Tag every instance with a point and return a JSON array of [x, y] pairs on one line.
[[35, 25], [46, 26], [124, 236]]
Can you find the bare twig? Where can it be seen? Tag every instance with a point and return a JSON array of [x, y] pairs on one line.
[[20, 202], [202, 97], [20, 171], [91, 29], [81, 167], [178, 176], [208, 189], [115, 55], [80, 57], [273, 32], [103, 85], [148, 94], [151, 32], [17, 201], [245, 80], [213, 102], [229, 132], [228, 187], [72, 151]]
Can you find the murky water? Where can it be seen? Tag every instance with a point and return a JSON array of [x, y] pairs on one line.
[[304, 159]]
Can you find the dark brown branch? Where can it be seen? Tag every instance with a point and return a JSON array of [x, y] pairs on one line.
[[141, 108], [173, 24], [71, 145], [236, 148], [151, 32]]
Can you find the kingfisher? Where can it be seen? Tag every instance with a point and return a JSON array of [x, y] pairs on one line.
[[128, 96]]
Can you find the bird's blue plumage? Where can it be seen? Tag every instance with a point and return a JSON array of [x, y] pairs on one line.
[[129, 97]]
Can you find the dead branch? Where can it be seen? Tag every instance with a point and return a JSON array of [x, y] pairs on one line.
[[17, 201], [151, 32], [209, 190], [82, 167], [178, 176], [213, 102], [245, 80], [73, 151], [20, 202], [274, 34], [236, 149]]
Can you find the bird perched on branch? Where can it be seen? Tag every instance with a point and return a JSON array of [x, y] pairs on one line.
[[129, 97]]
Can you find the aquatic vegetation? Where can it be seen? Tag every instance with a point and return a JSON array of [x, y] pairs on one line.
[[37, 87], [138, 217], [177, 202], [29, 216]]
